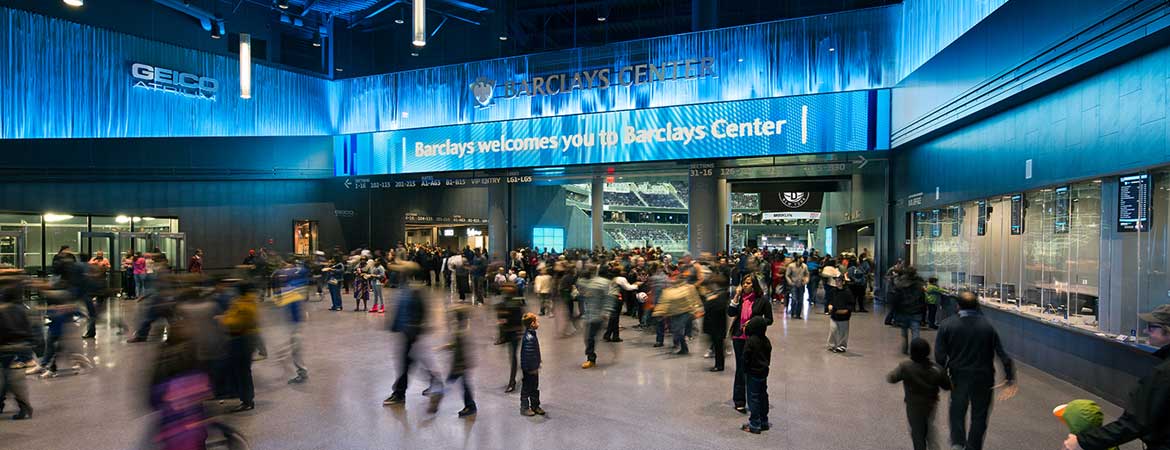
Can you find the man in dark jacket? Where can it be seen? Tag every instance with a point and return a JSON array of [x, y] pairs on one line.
[[966, 346], [909, 303], [410, 320], [1147, 416]]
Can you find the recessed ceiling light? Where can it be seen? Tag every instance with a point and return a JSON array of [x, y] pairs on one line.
[[503, 37], [413, 53], [282, 4], [832, 49], [739, 60], [601, 18], [75, 3], [339, 69], [399, 21]]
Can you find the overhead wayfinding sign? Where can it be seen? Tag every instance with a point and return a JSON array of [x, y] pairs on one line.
[[779, 126]]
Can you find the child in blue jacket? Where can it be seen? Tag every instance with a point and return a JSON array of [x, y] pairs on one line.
[[530, 366]]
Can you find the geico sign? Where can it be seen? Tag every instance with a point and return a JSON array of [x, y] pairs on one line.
[[173, 81]]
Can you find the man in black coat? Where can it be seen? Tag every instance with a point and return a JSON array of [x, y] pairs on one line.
[[908, 302], [1147, 416], [966, 346]]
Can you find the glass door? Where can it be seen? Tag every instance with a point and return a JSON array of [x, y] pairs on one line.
[[133, 242], [12, 248], [173, 246], [104, 245], [304, 237]]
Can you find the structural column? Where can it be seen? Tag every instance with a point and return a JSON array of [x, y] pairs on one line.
[[723, 208], [705, 215], [596, 195], [499, 225]]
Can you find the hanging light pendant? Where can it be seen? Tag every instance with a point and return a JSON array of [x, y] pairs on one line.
[[245, 65], [420, 23]]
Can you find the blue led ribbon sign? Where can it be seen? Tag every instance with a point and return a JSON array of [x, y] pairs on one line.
[[780, 126]]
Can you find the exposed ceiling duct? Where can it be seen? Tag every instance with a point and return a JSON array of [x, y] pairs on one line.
[[205, 18]]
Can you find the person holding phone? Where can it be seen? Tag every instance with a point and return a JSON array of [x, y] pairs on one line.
[[748, 303]]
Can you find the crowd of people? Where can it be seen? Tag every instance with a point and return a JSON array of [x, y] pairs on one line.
[[212, 332]]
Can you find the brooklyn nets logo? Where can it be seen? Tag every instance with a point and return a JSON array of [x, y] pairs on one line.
[[482, 90], [794, 199]]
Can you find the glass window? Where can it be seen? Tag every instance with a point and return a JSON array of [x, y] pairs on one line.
[[552, 239], [29, 227], [1035, 252], [63, 230]]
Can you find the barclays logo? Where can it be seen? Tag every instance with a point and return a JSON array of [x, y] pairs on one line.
[[482, 89]]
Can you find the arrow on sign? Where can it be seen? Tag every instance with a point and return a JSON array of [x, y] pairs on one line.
[[861, 162], [347, 183]]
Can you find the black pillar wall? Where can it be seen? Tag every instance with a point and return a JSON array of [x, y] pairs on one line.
[[703, 218]]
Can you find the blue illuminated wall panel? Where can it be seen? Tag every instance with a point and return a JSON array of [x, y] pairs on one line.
[[779, 126], [928, 26], [856, 50], [59, 79]]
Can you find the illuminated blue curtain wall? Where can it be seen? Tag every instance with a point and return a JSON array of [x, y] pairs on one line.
[[928, 26], [59, 79]]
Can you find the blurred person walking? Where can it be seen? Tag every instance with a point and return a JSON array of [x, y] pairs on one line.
[[461, 360], [509, 316], [715, 298], [243, 326], [597, 306], [921, 381], [679, 304], [16, 340], [410, 319], [294, 291]]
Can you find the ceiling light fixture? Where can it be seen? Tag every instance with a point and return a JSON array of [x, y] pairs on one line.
[[316, 38], [503, 37], [217, 30], [282, 4], [245, 65], [339, 69], [601, 18], [75, 3], [420, 23]]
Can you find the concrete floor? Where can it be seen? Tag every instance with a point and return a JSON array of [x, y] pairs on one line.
[[638, 397]]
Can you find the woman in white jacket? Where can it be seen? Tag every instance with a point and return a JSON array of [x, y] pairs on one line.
[[543, 287], [833, 280]]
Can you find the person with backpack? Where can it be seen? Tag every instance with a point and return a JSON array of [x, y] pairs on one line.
[[909, 303], [857, 279]]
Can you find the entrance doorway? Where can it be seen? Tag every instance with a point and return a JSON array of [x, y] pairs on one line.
[[856, 238], [453, 236]]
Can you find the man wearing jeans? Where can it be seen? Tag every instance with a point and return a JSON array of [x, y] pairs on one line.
[[966, 346]]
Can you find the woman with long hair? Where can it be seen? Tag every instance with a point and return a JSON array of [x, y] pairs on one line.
[[749, 302]]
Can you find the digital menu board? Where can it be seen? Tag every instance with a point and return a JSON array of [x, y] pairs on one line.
[[1061, 210], [956, 220], [1017, 214], [1133, 203], [981, 222]]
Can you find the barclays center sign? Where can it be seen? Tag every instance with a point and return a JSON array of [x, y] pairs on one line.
[[176, 82], [484, 89]]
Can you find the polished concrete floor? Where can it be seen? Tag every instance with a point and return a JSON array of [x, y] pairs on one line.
[[638, 397]]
